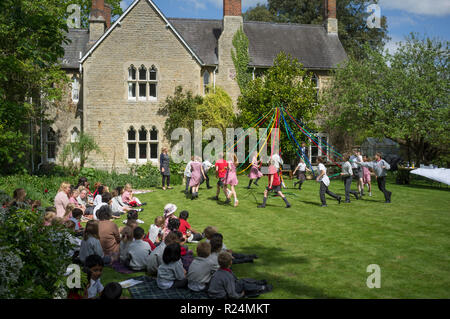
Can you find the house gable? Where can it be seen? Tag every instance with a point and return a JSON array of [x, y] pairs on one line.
[[120, 20]]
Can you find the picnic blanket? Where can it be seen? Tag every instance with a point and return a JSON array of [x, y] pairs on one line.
[[121, 268], [150, 290]]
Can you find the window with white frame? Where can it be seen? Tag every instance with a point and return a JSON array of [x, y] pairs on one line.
[[314, 150], [74, 135], [142, 83], [142, 144], [75, 89], [51, 144]]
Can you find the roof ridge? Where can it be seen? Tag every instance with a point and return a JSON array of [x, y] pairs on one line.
[[195, 19], [287, 23]]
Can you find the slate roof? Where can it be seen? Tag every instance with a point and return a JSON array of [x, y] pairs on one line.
[[310, 44], [79, 42]]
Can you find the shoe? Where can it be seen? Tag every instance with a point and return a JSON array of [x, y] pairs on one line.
[[261, 206], [169, 187], [370, 194], [216, 198], [140, 221], [209, 187], [323, 206], [139, 210], [339, 199], [388, 201], [347, 201], [248, 187], [163, 188], [357, 197], [227, 201], [288, 206], [143, 204], [256, 184]]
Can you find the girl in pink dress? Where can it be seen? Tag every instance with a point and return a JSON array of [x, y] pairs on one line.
[[255, 173], [366, 176], [196, 177], [231, 179]]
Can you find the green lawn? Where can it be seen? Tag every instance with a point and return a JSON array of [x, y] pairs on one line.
[[312, 252]]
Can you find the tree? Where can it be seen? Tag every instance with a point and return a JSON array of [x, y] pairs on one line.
[[351, 14], [31, 38], [287, 84], [79, 151], [241, 58], [403, 97]]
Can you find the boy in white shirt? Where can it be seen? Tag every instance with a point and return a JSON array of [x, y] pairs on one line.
[[324, 183]]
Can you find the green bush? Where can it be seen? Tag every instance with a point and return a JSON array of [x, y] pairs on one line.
[[33, 258]]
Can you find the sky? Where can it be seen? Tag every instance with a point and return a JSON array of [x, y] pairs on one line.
[[430, 18]]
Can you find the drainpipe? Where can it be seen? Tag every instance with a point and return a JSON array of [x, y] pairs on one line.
[[214, 78], [253, 73]]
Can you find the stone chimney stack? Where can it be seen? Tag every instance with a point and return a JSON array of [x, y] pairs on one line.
[[331, 22], [97, 20], [232, 22]]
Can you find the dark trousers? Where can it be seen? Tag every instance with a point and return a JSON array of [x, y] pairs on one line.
[[188, 179], [252, 287], [207, 180], [180, 283], [381, 180], [324, 190], [348, 185], [164, 179]]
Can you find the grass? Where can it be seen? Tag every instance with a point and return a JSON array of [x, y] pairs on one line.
[[312, 252]]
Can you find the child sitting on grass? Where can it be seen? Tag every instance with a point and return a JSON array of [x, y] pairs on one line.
[[68, 212], [201, 269], [126, 238], [94, 268], [90, 245], [224, 284], [187, 255], [77, 213], [189, 233], [155, 259], [129, 199], [113, 290], [171, 273], [49, 215], [138, 251], [133, 215], [156, 230]]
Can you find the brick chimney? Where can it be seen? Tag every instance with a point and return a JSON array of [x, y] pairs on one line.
[[108, 9], [97, 20], [330, 20], [232, 8]]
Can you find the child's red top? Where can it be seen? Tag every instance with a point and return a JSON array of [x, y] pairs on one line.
[[222, 168]]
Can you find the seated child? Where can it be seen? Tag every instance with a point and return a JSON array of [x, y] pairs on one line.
[[189, 233], [155, 259], [187, 255], [116, 205], [129, 199], [224, 283], [133, 215], [113, 290], [138, 251], [169, 211], [94, 268], [126, 238], [130, 223], [49, 215], [68, 212], [76, 242], [201, 269], [90, 245], [155, 231], [77, 213], [171, 273]]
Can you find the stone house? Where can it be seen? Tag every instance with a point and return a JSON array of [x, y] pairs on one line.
[[121, 72]]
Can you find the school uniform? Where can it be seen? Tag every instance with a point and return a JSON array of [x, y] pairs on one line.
[[381, 173], [324, 183], [138, 254], [95, 288], [347, 178], [187, 174], [88, 247], [301, 174], [199, 273], [206, 166], [164, 162], [155, 258], [171, 275]]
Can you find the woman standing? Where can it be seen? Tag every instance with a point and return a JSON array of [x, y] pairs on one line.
[[62, 199], [164, 165], [231, 179], [196, 176], [255, 173]]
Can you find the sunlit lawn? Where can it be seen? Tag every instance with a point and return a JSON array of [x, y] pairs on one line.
[[312, 252]]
